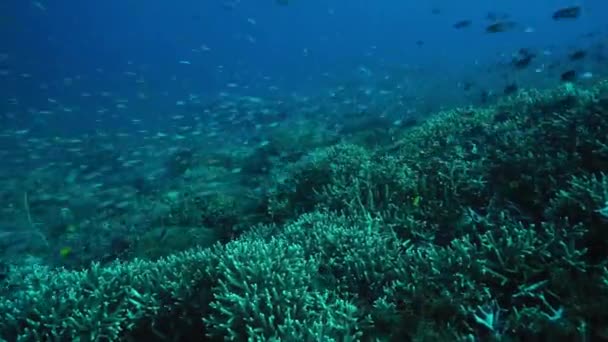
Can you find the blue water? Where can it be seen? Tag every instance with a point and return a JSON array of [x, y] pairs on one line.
[[157, 53], [71, 37]]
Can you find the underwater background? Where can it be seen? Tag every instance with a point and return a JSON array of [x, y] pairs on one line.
[[303, 170]]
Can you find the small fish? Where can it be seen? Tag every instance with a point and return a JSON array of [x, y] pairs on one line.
[[510, 89], [500, 26], [65, 252], [416, 201], [568, 76], [577, 55], [522, 59], [462, 24], [229, 5], [572, 12]]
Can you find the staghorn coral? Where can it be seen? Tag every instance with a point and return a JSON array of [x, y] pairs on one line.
[[478, 224]]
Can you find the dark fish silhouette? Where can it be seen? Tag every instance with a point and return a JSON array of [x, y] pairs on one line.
[[462, 24], [501, 26], [523, 59], [577, 55], [510, 89], [572, 12], [568, 76]]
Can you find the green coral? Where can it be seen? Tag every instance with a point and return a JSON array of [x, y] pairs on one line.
[[267, 291], [485, 224]]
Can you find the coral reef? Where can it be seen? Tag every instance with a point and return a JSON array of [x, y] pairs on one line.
[[476, 224]]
